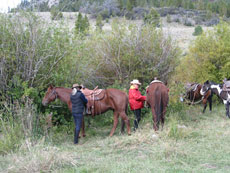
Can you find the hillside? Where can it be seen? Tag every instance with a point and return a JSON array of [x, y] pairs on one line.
[[179, 32]]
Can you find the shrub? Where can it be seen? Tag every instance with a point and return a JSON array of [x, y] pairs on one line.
[[168, 18], [208, 58], [56, 14], [152, 18], [198, 30], [99, 22], [127, 53], [81, 24]]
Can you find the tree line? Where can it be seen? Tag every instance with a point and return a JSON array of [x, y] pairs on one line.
[[221, 7]]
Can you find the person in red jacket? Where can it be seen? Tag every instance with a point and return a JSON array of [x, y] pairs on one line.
[[136, 101]]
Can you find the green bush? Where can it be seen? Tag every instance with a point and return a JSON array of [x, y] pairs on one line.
[[198, 30], [99, 22], [56, 14], [127, 53], [208, 58], [168, 18], [81, 24], [153, 18]]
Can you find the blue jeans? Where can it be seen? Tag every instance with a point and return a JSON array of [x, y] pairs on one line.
[[137, 114], [77, 120]]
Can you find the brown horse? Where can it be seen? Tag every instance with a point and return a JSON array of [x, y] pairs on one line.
[[113, 99], [194, 96], [157, 99]]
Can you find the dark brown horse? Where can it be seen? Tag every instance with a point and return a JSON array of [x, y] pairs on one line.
[[194, 96], [113, 99], [157, 99]]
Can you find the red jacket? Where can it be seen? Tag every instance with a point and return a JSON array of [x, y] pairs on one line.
[[136, 99]]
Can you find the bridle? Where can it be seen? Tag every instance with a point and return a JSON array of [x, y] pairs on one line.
[[52, 92], [208, 88]]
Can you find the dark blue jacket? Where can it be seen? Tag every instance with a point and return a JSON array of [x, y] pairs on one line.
[[78, 102]]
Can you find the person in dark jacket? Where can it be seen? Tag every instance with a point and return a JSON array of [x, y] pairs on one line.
[[136, 101], [78, 101]]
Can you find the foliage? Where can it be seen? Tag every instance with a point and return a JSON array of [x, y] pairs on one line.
[[153, 18], [198, 30], [20, 122], [81, 24], [55, 14], [208, 58], [168, 18], [127, 53], [99, 23]]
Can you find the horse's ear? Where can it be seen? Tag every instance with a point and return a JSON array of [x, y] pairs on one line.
[[166, 83], [51, 86], [207, 82]]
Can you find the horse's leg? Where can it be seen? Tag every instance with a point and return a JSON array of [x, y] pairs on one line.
[[125, 120], [83, 127], [163, 116], [122, 126], [227, 108], [210, 103], [115, 122], [205, 104], [155, 124]]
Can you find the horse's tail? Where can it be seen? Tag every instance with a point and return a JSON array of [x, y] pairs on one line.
[[158, 106]]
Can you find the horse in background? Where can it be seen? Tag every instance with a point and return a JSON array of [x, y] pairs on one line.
[[112, 99], [220, 91], [157, 99], [193, 96]]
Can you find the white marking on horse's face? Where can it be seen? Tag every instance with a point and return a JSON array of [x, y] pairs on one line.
[[202, 92], [217, 87], [225, 101]]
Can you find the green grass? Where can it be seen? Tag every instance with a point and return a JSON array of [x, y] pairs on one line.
[[194, 142]]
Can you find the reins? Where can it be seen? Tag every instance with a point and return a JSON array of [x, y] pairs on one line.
[[53, 92]]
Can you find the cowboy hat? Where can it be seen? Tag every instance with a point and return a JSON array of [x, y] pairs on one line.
[[135, 81], [77, 86]]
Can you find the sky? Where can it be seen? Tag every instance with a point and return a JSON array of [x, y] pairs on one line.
[[4, 4]]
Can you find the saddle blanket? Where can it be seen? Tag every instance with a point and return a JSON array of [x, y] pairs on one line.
[[156, 81]]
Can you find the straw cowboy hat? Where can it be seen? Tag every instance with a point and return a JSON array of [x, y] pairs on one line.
[[135, 81], [76, 86]]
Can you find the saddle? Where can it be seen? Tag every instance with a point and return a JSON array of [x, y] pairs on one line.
[[92, 96], [191, 86], [226, 86]]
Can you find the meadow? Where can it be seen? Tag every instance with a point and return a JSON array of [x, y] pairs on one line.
[[190, 142]]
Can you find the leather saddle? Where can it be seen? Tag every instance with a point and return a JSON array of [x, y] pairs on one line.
[[226, 86], [191, 86], [92, 96]]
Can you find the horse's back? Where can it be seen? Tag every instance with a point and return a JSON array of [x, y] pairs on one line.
[[157, 92]]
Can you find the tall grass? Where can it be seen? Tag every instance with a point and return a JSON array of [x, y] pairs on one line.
[[198, 144]]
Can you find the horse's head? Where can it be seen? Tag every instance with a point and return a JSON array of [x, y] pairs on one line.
[[206, 86], [50, 95]]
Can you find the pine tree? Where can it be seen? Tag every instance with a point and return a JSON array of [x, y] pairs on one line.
[[99, 23], [152, 18], [86, 23], [129, 5], [78, 23], [82, 24]]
